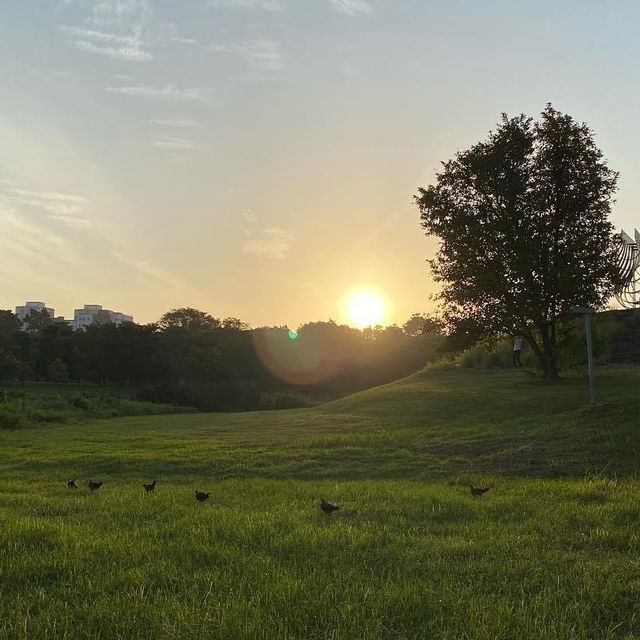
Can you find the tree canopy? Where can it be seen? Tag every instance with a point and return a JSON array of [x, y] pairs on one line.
[[523, 223]]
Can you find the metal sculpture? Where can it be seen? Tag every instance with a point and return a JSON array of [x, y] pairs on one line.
[[628, 295]]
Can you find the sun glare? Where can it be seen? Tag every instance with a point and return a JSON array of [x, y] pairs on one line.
[[366, 309]]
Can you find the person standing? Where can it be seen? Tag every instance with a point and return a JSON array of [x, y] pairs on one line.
[[517, 348]]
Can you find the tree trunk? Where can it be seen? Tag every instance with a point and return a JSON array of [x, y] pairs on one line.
[[549, 361], [546, 351]]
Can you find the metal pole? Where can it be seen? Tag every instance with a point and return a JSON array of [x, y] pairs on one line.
[[592, 377]]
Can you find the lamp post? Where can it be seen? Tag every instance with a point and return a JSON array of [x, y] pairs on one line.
[[587, 312]]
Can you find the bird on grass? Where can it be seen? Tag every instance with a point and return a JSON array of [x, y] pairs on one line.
[[150, 488], [327, 507], [94, 485], [72, 484], [201, 496], [478, 491]]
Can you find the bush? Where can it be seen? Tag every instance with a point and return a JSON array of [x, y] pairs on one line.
[[222, 396], [18, 409], [282, 400], [489, 355], [11, 421], [606, 329], [80, 403]]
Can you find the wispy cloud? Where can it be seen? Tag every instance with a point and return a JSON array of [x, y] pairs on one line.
[[120, 13], [63, 207], [121, 53], [262, 54], [265, 5], [179, 40], [168, 92], [124, 46], [35, 248], [102, 36], [249, 215], [154, 273], [180, 123], [11, 217], [271, 243], [175, 144], [352, 7]]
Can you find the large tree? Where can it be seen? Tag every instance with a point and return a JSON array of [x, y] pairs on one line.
[[523, 223], [188, 318]]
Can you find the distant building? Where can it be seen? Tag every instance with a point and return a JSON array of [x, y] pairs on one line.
[[23, 312], [95, 314]]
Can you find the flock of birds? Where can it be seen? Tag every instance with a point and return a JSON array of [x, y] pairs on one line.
[[201, 496]]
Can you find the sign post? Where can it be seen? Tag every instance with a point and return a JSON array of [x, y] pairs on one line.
[[588, 312]]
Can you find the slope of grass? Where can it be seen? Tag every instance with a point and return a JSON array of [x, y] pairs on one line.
[[550, 552]]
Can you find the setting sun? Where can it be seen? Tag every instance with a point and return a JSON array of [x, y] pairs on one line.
[[366, 309]]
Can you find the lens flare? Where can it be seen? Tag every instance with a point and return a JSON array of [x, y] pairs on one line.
[[304, 360]]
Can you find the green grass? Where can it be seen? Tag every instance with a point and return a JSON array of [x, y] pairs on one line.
[[552, 551]]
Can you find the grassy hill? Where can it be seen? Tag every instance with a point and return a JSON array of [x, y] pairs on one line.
[[552, 551]]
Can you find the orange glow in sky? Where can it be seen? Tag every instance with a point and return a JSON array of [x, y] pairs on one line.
[[258, 158]]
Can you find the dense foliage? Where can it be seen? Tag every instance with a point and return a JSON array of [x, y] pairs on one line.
[[523, 223], [194, 359]]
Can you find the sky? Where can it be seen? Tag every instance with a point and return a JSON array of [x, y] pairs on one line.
[[258, 158]]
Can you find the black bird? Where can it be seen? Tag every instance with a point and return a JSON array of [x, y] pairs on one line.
[[94, 485], [478, 491], [149, 488], [327, 507], [72, 484], [201, 496]]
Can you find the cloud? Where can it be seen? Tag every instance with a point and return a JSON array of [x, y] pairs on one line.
[[168, 92], [272, 243], [352, 7], [120, 13], [248, 215], [262, 54], [35, 248], [180, 123], [154, 273], [121, 53], [180, 40], [265, 5], [175, 144], [103, 36], [124, 46], [62, 207]]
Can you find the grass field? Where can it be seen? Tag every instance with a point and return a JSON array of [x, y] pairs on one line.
[[552, 551]]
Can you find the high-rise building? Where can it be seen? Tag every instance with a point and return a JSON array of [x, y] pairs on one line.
[[22, 312], [95, 314]]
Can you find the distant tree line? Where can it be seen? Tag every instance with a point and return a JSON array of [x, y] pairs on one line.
[[190, 357]]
